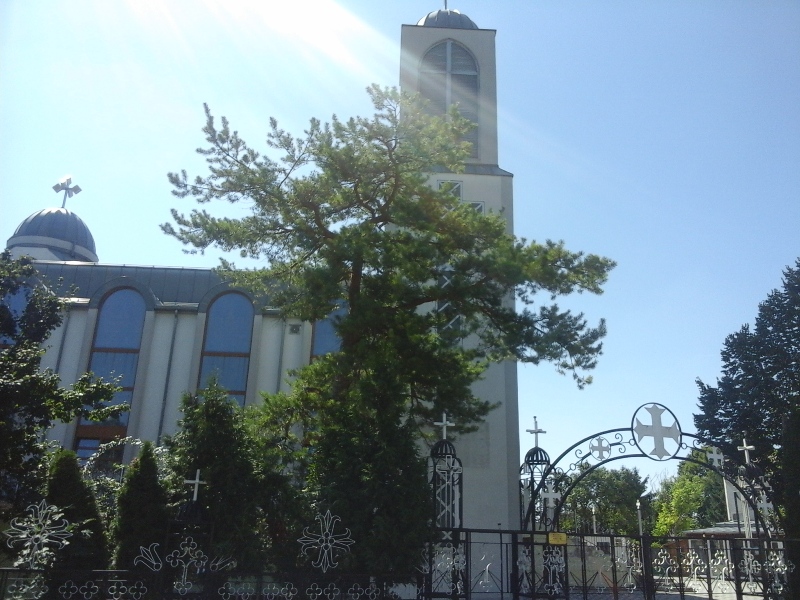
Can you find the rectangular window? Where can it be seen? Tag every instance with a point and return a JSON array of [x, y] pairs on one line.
[[454, 187]]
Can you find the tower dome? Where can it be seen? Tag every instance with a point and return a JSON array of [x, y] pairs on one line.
[[447, 19], [53, 234]]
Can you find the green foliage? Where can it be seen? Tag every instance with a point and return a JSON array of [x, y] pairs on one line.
[[692, 499], [614, 493], [142, 515], [369, 473], [760, 387], [31, 399], [87, 548], [244, 491], [344, 216]]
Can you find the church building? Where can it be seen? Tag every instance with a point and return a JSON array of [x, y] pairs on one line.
[[165, 330]]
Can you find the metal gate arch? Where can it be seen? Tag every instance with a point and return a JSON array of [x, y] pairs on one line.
[[619, 448]]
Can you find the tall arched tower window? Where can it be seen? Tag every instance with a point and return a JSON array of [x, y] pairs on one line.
[[226, 346], [115, 353], [449, 75]]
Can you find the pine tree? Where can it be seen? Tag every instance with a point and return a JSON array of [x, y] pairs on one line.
[[142, 516], [759, 389], [344, 216], [87, 548]]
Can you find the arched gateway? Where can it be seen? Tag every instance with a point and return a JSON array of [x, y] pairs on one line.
[[654, 433]]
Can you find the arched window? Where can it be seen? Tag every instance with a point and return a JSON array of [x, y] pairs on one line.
[[115, 353], [449, 75], [226, 347]]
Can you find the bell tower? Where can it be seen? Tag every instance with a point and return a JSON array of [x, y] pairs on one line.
[[448, 59]]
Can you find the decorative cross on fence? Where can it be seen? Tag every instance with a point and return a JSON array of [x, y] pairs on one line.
[[715, 457], [444, 424], [196, 483], [658, 431], [536, 431], [600, 447]]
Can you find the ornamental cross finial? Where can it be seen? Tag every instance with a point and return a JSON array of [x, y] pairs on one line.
[[444, 424], [64, 186], [196, 483], [536, 431], [746, 449]]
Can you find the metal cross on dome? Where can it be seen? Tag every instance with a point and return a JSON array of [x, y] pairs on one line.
[[64, 186], [536, 431], [444, 424], [196, 483]]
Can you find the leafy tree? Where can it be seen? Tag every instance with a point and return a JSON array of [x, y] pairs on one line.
[[87, 548], [694, 498], [759, 390], [31, 399], [142, 516], [344, 217], [613, 493]]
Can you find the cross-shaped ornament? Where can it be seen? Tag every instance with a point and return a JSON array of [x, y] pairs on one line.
[[65, 186], [535, 431], [196, 483], [550, 494], [746, 449], [444, 424], [715, 457]]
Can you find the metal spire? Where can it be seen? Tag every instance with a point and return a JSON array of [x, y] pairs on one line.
[[64, 186]]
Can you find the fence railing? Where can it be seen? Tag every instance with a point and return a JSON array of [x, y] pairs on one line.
[[465, 564]]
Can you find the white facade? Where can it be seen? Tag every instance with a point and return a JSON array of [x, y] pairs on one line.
[[446, 56]]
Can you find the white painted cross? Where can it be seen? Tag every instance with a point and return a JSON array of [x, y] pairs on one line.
[[746, 449], [444, 424], [535, 431], [715, 457], [196, 483]]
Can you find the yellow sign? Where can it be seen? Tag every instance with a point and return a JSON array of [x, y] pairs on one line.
[[557, 538]]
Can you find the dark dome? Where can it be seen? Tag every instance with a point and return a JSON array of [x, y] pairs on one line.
[[58, 230], [447, 19], [443, 448], [537, 456]]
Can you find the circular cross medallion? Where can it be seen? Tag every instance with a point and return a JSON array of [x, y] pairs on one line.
[[656, 431], [600, 448]]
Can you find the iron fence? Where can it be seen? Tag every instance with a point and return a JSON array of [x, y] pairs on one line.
[[465, 564]]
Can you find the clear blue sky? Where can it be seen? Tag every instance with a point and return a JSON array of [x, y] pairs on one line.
[[663, 134]]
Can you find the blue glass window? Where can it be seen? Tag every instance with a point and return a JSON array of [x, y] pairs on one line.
[[325, 338], [115, 352], [15, 303], [226, 347]]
